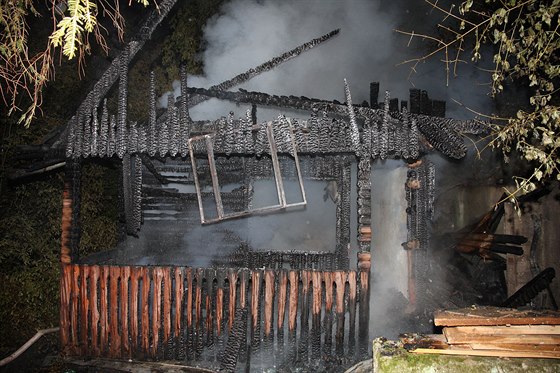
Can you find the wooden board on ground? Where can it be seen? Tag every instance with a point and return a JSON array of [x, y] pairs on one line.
[[486, 316], [455, 336], [455, 350], [513, 347], [508, 330]]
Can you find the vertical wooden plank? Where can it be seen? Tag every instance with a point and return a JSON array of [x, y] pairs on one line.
[[243, 289], [281, 306], [210, 275], [352, 290], [244, 353], [74, 309], [232, 276], [198, 299], [328, 320], [103, 311], [220, 275], [340, 282], [292, 314], [145, 304], [166, 304], [363, 334], [199, 275], [282, 292], [156, 309], [411, 279], [134, 288], [189, 315], [125, 276], [255, 291], [268, 302], [84, 306], [114, 335], [317, 290], [65, 296], [303, 348], [255, 338], [179, 288], [268, 338], [189, 297], [94, 309]]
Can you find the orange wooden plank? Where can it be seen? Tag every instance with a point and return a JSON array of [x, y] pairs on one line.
[[479, 316], [232, 276], [74, 310], [134, 288], [166, 304], [219, 303], [145, 309], [114, 335], [268, 301], [65, 295], [124, 276], [94, 281], [179, 286], [103, 310], [189, 310], [282, 293], [496, 353], [292, 311], [317, 289], [255, 291], [157, 276], [84, 308], [455, 336]]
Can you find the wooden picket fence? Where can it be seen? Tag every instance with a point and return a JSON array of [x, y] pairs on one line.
[[176, 313]]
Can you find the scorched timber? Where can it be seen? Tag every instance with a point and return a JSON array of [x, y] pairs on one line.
[[269, 65], [481, 316]]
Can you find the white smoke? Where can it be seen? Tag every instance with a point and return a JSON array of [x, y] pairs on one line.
[[250, 32]]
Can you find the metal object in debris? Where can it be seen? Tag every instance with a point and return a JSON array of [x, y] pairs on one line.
[[282, 203]]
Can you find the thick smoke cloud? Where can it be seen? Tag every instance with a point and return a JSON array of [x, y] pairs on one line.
[[249, 32]]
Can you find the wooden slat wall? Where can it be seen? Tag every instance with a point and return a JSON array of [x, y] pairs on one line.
[[175, 312]]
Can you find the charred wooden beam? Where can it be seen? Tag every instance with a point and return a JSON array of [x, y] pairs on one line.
[[238, 79], [235, 341], [531, 289]]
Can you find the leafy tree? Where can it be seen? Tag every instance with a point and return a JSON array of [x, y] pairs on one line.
[[25, 74], [524, 34]]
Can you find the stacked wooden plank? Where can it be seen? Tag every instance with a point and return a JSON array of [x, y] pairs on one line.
[[501, 332]]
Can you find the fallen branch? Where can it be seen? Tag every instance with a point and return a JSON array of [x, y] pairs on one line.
[[27, 344]]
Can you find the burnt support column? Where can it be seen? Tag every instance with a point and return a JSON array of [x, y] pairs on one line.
[[420, 199], [374, 95], [343, 214], [364, 243]]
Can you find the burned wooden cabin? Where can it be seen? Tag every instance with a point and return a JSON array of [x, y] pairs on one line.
[[247, 301]]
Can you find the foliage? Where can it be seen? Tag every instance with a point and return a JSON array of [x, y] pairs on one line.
[[72, 31], [99, 210], [23, 74], [184, 42], [30, 216], [524, 34], [29, 252]]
